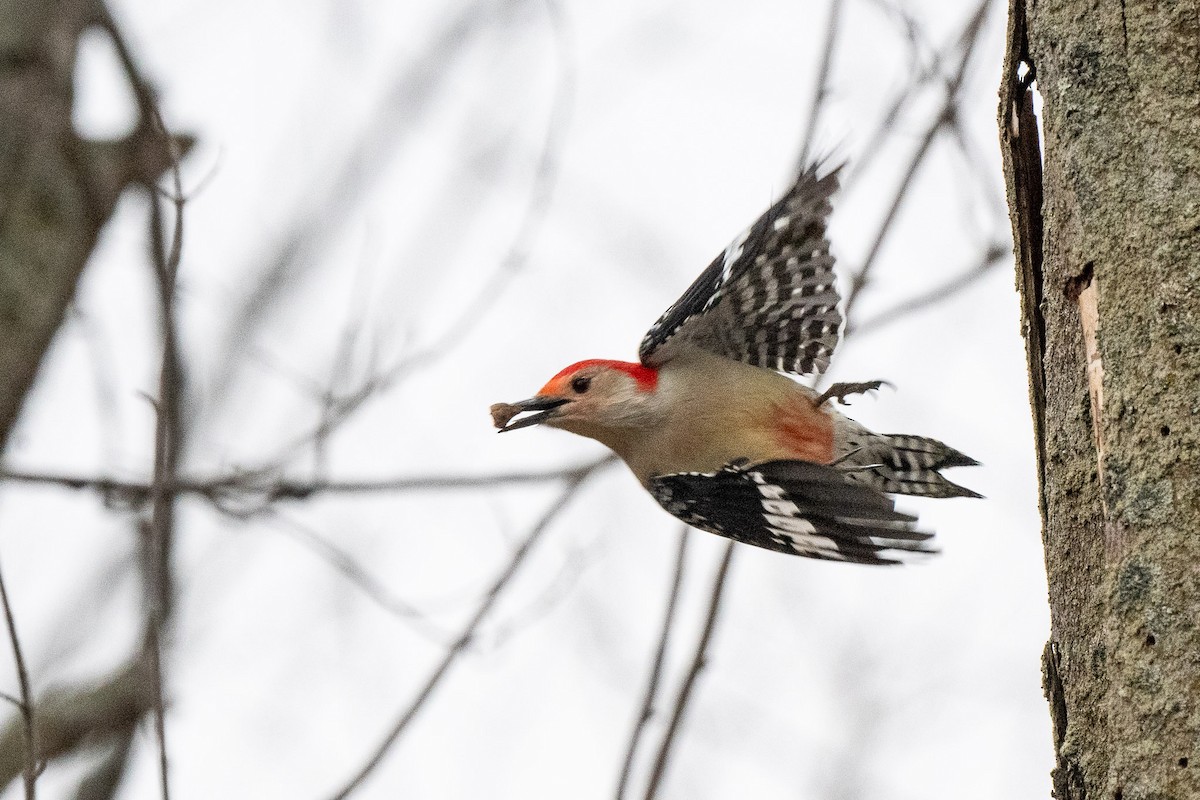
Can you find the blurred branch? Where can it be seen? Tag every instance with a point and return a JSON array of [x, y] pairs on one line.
[[102, 365], [345, 564], [699, 660], [265, 490], [404, 103], [340, 368], [105, 777], [921, 77], [993, 255], [57, 189], [468, 632], [821, 86], [862, 712], [983, 176], [66, 719], [158, 532], [946, 115], [545, 177], [556, 589], [911, 29], [25, 703], [656, 665]]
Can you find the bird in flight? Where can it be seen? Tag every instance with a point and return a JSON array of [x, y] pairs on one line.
[[721, 437]]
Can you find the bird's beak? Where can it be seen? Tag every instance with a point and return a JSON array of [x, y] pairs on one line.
[[503, 413]]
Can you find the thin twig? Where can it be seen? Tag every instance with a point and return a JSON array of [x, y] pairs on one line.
[[699, 659], [945, 115], [102, 360], [345, 564], [555, 589], [224, 488], [475, 310], [25, 704], [74, 718], [656, 665], [821, 86], [410, 97], [158, 532], [569, 492], [102, 781], [921, 77], [994, 254]]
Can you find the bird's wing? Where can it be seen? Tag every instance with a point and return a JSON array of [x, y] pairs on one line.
[[792, 507], [769, 299]]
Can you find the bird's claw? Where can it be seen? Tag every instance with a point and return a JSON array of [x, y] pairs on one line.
[[840, 391]]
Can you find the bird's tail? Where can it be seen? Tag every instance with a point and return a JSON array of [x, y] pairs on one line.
[[897, 463]]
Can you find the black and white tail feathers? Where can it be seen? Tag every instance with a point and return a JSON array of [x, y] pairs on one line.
[[794, 507], [897, 463]]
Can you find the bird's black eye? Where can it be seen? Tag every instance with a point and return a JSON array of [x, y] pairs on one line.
[[580, 384]]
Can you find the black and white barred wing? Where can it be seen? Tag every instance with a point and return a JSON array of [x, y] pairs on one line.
[[792, 507], [769, 299]]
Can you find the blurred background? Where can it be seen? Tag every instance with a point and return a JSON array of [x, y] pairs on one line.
[[397, 214]]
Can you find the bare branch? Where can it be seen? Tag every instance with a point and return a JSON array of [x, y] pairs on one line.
[[345, 564], [922, 75], [25, 704], [67, 717], [225, 489], [555, 590], [656, 666], [689, 682], [993, 255], [158, 532], [467, 634], [105, 777], [946, 115], [412, 90], [821, 86], [545, 178]]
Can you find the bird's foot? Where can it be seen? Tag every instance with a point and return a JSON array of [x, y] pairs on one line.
[[840, 391]]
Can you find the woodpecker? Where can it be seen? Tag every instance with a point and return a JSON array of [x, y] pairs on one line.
[[726, 442]]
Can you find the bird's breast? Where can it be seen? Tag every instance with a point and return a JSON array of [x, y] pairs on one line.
[[723, 411]]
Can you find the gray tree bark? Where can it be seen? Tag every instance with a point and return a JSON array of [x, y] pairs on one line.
[[1107, 226]]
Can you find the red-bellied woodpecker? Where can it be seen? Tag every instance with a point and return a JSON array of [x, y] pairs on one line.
[[726, 443]]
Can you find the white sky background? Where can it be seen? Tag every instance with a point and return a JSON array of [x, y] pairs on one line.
[[685, 122]]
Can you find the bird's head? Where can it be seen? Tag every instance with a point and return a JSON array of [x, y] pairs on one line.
[[590, 398]]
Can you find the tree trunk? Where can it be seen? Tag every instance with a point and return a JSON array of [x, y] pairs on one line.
[[1109, 272]]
